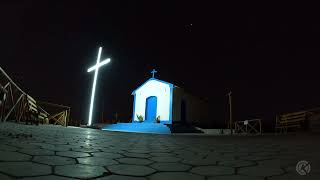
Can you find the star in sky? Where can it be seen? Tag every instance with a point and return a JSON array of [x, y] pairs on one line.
[[188, 27]]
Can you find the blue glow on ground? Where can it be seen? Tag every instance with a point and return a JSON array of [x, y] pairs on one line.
[[154, 128]]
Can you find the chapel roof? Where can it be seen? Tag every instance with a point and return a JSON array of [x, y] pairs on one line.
[[170, 84]]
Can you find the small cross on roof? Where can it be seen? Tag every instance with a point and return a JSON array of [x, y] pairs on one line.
[[153, 72]]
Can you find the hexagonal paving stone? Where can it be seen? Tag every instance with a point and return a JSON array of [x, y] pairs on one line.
[[165, 159], [4, 147], [50, 177], [13, 156], [137, 155], [5, 177], [24, 145], [237, 163], [54, 160], [98, 161], [79, 171], [56, 142], [43, 145], [162, 154], [235, 177], [265, 153], [184, 153], [175, 176], [280, 162], [72, 154], [255, 157], [260, 171], [107, 155], [22, 169], [213, 170], [199, 161], [136, 161], [237, 154], [220, 157], [86, 150], [295, 176], [118, 177], [159, 150], [108, 150], [56, 147], [170, 167], [36, 151], [131, 170], [139, 150]]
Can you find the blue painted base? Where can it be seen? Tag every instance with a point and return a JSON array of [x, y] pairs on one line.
[[155, 128]]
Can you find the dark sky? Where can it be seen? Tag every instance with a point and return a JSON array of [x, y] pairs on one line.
[[266, 54]]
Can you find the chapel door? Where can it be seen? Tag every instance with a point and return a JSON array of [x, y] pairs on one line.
[[151, 109]]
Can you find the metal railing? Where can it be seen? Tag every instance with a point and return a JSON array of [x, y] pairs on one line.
[[248, 126], [14, 103]]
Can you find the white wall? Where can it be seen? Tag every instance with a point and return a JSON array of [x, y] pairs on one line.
[[153, 88]]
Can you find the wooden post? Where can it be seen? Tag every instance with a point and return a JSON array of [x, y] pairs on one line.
[[230, 111], [2, 101], [102, 113], [2, 108], [116, 115], [260, 126], [65, 118], [68, 116], [11, 93], [102, 116]]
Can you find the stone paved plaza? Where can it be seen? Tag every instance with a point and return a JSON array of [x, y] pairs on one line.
[[58, 153]]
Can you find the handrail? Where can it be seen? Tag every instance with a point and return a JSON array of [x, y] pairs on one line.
[[53, 104], [11, 81], [249, 120]]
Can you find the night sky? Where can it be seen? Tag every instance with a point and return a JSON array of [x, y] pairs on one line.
[[266, 54]]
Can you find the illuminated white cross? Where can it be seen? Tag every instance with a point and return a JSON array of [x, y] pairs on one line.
[[96, 69]]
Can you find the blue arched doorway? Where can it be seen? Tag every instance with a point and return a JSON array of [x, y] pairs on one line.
[[151, 109]]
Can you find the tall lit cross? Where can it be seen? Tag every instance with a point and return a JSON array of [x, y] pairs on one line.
[[95, 68], [153, 72]]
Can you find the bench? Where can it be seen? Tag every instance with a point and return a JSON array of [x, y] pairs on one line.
[[34, 114], [43, 117], [295, 120]]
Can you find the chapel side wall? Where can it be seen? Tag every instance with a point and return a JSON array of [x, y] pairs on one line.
[[197, 111], [176, 104]]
